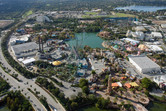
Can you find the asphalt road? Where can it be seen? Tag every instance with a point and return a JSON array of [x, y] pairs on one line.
[[24, 85], [19, 86]]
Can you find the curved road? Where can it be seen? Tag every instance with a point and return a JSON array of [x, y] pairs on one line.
[[19, 86], [31, 82]]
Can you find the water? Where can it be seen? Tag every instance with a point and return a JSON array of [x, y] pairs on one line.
[[142, 8], [4, 108], [90, 39]]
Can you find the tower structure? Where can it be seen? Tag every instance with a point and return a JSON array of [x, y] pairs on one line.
[[109, 87], [39, 43]]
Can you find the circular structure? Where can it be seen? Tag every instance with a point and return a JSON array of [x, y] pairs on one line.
[[57, 63]]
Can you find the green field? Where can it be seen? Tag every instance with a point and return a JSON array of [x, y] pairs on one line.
[[28, 13], [94, 15], [91, 13], [47, 5], [122, 15]]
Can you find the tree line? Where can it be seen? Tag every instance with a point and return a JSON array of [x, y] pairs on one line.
[[17, 102], [4, 86], [76, 102]]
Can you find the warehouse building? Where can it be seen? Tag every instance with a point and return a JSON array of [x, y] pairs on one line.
[[144, 65], [25, 50], [42, 19], [19, 39], [155, 48], [163, 26], [156, 35]]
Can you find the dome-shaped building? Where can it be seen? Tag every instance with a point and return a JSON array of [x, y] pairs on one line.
[[57, 63]]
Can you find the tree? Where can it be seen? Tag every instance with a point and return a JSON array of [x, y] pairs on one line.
[[83, 82], [102, 103], [93, 72], [74, 105], [92, 97], [85, 89], [147, 83]]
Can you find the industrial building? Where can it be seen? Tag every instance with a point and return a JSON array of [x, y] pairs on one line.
[[144, 64], [163, 26], [137, 35], [25, 50], [156, 35], [131, 41], [155, 48], [140, 28], [27, 61], [42, 19], [161, 81], [19, 39]]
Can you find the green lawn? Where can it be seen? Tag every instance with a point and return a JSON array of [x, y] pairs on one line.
[[91, 13], [111, 16], [122, 15], [28, 13], [47, 5]]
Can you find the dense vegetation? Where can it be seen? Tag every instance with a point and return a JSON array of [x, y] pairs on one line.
[[84, 85], [148, 84], [14, 9], [77, 101], [17, 102], [44, 102], [161, 59], [4, 86]]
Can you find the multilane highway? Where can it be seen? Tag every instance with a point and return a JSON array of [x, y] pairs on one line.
[[28, 83]]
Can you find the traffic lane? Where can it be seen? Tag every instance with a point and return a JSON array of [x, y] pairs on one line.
[[19, 86]]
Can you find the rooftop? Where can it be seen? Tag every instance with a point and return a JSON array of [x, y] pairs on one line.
[[155, 48], [144, 62], [156, 34], [21, 48], [27, 61], [97, 65]]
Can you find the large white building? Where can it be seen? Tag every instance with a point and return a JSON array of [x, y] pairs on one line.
[[160, 79], [42, 19], [156, 35], [144, 65], [19, 39], [155, 48], [25, 50], [163, 26], [137, 35]]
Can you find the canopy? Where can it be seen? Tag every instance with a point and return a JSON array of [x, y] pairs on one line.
[[116, 46], [57, 63], [127, 85], [134, 84], [114, 85]]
